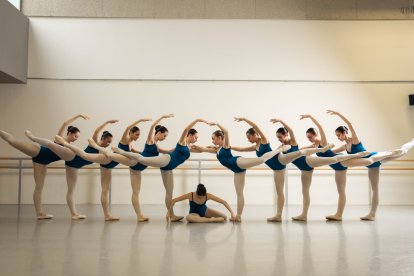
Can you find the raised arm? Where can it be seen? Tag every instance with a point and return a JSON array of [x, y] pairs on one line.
[[125, 135], [95, 136], [324, 141], [187, 129], [63, 128], [355, 139], [289, 129], [150, 139], [255, 127], [222, 201]]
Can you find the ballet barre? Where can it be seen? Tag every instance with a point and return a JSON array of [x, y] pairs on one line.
[[198, 168]]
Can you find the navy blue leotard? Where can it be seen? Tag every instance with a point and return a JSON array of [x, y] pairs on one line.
[[226, 158]]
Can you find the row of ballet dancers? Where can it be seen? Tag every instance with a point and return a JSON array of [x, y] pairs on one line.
[[318, 153]]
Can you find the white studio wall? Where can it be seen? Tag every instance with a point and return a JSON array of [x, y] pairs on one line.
[[126, 69]]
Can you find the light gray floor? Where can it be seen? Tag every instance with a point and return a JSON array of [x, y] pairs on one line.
[[93, 247]]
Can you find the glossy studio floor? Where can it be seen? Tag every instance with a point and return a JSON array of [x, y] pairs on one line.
[[254, 247]]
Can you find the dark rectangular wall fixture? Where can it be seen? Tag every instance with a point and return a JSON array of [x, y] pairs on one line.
[[411, 99], [14, 36]]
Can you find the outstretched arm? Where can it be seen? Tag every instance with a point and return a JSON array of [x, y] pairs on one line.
[[199, 149], [95, 136], [175, 200], [244, 149], [289, 129], [355, 139], [255, 127], [125, 135], [187, 129], [324, 141], [62, 129], [150, 139], [222, 201]]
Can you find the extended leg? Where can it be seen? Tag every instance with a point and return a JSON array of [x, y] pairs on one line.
[[62, 152], [29, 149], [195, 218]]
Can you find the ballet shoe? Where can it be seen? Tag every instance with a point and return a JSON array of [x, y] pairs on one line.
[[29, 135], [275, 219], [333, 218], [175, 218], [368, 218], [78, 217], [300, 218], [363, 154], [44, 216], [6, 136], [219, 219], [142, 218], [236, 219], [60, 140], [111, 218]]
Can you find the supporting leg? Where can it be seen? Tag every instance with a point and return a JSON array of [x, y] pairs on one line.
[[136, 188]]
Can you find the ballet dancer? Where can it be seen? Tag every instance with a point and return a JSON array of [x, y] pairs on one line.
[[318, 139], [168, 162], [306, 164], [73, 163], [277, 163], [199, 212], [150, 149], [354, 145], [237, 164], [106, 164], [41, 157]]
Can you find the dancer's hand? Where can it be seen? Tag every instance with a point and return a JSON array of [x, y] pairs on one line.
[[239, 119], [212, 123], [146, 119], [305, 116], [112, 121], [84, 117], [274, 121], [202, 121], [167, 116], [332, 112]]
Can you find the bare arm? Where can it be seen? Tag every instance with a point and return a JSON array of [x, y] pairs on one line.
[[150, 139], [355, 139], [244, 149], [95, 136], [175, 200], [125, 135], [62, 129], [187, 129], [199, 149], [255, 127], [222, 201], [289, 129], [339, 149], [324, 141], [165, 150]]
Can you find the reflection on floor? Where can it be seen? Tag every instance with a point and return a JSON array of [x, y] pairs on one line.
[[255, 247]]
